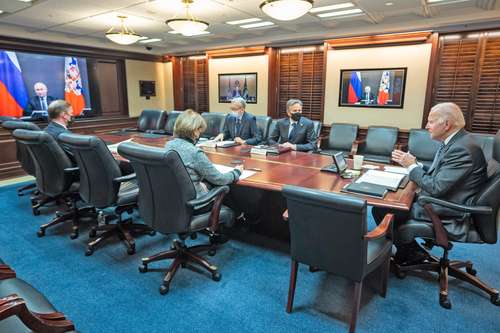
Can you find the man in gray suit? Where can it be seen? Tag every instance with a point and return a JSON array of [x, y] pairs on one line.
[[456, 175], [295, 131], [240, 125]]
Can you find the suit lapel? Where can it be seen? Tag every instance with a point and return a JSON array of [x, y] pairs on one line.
[[457, 136]]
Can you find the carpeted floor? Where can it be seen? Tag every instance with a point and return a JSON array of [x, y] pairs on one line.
[[106, 293]]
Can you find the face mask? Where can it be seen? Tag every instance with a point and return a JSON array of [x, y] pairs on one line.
[[70, 121], [296, 116], [235, 114]]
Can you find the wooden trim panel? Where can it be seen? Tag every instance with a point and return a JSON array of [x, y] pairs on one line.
[[378, 40], [237, 52]]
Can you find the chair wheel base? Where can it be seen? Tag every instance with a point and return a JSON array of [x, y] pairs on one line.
[[92, 233], [152, 233], [471, 271], [212, 252], [89, 251], [495, 300], [73, 235], [164, 289], [444, 302], [131, 250], [40, 233], [143, 268], [36, 212], [216, 276]]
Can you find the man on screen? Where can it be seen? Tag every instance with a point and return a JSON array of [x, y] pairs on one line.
[[39, 102]]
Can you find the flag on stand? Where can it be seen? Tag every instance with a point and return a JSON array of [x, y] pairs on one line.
[[355, 88], [13, 94], [73, 91], [383, 90]]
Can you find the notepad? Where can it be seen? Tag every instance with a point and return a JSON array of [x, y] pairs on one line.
[[390, 180], [371, 190], [224, 169], [114, 147]]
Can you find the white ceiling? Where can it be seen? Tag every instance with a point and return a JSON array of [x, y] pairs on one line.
[[85, 22]]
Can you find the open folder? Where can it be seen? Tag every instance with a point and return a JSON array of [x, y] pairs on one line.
[[371, 190], [389, 180]]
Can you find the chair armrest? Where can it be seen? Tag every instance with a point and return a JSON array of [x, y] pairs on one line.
[[285, 215], [129, 129], [157, 132], [401, 146], [462, 208], [73, 171], [382, 229], [208, 198], [6, 272], [126, 178]]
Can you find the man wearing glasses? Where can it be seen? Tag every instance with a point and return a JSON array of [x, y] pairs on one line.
[[240, 126]]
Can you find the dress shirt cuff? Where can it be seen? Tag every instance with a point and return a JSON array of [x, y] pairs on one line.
[[414, 165]]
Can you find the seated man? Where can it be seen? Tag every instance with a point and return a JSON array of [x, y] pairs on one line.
[[295, 131], [240, 125], [60, 116], [39, 102], [456, 175]]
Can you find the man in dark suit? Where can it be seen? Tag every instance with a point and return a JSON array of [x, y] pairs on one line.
[[240, 125], [456, 175], [40, 101], [60, 116], [295, 131]]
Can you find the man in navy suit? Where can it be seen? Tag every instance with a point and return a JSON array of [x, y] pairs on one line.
[[240, 125], [40, 101], [60, 116], [295, 131]]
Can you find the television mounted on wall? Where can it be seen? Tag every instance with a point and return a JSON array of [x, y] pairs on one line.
[[234, 85]]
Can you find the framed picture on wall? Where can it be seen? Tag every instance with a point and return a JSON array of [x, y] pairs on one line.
[[238, 85], [372, 88]]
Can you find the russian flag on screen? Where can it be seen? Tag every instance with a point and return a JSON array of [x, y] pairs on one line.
[[73, 91], [355, 88], [13, 94]]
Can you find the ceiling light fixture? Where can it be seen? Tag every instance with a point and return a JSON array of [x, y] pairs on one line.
[[332, 7], [125, 36], [188, 25], [257, 25], [250, 20], [151, 40], [341, 13], [286, 10]]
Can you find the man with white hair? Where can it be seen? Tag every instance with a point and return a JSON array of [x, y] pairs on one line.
[[456, 175], [240, 125], [39, 102]]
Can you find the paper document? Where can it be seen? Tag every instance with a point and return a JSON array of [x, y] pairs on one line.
[[224, 169], [213, 144], [396, 169], [388, 179], [114, 147]]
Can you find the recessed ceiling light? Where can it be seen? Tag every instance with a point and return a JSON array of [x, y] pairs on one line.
[[250, 20], [341, 13], [25, 0], [204, 32], [143, 37], [332, 7], [173, 32], [389, 3], [257, 25], [152, 40], [444, 2], [1, 11]]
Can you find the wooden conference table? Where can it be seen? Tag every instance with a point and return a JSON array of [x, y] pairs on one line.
[[291, 168]]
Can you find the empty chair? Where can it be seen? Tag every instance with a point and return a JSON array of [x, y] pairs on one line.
[[485, 141], [379, 143], [328, 231], [55, 177], [169, 125], [215, 123], [263, 124], [23, 156], [272, 126], [168, 203], [150, 120], [102, 185], [341, 139], [422, 146]]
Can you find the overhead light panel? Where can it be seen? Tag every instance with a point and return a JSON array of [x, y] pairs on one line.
[[341, 13], [250, 20], [188, 25], [152, 40], [332, 7], [257, 25], [286, 10], [125, 36], [444, 2]]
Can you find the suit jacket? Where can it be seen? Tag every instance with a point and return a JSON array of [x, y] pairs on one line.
[[56, 129], [304, 135], [248, 129], [35, 104], [457, 177]]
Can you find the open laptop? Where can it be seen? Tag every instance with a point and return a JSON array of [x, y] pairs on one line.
[[339, 164]]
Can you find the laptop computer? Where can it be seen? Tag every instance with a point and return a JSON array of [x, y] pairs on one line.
[[339, 164]]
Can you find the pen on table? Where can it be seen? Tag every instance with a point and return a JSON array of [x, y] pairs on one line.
[[254, 169]]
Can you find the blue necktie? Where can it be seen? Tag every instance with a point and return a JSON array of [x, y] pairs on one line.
[[437, 157], [43, 103], [237, 127], [292, 132]]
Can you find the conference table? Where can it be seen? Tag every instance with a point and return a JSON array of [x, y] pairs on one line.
[[290, 168]]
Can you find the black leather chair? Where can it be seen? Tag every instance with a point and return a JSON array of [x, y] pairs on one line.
[[7, 118], [272, 127], [328, 231], [422, 146], [23, 155], [215, 123], [484, 215], [340, 139], [55, 177], [485, 141], [379, 143], [168, 203], [263, 123], [169, 124], [103, 185], [25, 309], [150, 120]]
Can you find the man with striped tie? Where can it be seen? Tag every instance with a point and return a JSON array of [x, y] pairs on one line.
[[39, 102]]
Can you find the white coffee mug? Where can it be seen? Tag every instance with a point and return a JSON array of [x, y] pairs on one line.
[[358, 162]]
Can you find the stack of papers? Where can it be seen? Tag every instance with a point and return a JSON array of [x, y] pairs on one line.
[[114, 147], [214, 144], [390, 180], [395, 169], [224, 169]]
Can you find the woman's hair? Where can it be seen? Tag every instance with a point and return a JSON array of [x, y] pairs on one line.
[[187, 123]]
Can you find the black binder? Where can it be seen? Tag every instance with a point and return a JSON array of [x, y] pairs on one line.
[[372, 190]]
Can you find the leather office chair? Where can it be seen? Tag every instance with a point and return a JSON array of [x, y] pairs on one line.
[[422, 146], [25, 309], [328, 232], [341, 139], [168, 203], [169, 124], [102, 185], [215, 123], [486, 142], [150, 120], [55, 177], [272, 127], [263, 124], [379, 143], [7, 118], [23, 155], [317, 130], [485, 218]]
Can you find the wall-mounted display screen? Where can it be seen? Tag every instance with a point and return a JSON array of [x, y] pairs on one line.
[[238, 85], [382, 88]]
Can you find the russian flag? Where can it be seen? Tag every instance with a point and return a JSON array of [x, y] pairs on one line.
[[73, 91], [13, 94], [355, 88]]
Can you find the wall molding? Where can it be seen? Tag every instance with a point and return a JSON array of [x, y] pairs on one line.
[[379, 40]]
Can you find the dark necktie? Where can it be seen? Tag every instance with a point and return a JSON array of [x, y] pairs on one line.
[[43, 103], [437, 157], [237, 127], [292, 132]]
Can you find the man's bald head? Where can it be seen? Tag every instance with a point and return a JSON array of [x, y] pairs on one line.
[[444, 119]]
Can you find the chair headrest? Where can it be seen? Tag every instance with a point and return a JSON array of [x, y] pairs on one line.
[[496, 147], [79, 140], [32, 136], [18, 124], [135, 151]]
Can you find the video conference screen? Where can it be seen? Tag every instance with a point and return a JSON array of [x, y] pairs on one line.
[[29, 82]]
